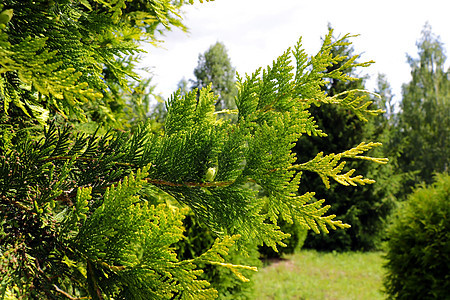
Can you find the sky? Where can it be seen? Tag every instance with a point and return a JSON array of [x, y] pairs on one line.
[[255, 32]]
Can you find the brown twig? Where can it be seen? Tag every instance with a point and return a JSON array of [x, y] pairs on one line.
[[95, 287], [85, 159], [67, 294]]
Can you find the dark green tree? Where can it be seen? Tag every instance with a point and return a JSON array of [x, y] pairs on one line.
[[214, 67], [424, 120], [364, 207]]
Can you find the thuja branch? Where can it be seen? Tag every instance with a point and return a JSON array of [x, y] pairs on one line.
[[15, 203], [87, 159], [190, 184], [70, 194]]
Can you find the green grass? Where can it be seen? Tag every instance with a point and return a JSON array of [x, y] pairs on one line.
[[315, 276]]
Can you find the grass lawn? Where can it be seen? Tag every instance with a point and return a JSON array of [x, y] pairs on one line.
[[313, 275]]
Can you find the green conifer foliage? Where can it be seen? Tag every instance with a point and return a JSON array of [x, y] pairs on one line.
[[69, 57], [97, 215], [363, 207]]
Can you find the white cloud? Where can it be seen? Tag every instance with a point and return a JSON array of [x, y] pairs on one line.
[[255, 32]]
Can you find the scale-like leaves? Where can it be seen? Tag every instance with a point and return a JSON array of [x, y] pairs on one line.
[[131, 241], [332, 166], [90, 205], [72, 57]]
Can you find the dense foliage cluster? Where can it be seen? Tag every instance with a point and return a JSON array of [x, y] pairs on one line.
[[73, 57], [418, 261], [98, 214]]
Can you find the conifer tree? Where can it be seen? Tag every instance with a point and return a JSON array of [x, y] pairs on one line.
[[97, 215], [363, 207]]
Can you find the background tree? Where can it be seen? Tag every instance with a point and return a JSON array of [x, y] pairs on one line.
[[214, 67], [363, 207], [385, 102], [424, 119]]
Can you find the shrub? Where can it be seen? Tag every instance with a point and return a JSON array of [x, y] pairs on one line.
[[418, 256]]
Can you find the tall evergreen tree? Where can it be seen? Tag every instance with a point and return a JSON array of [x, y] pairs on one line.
[[97, 215], [363, 207], [214, 67], [424, 119]]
